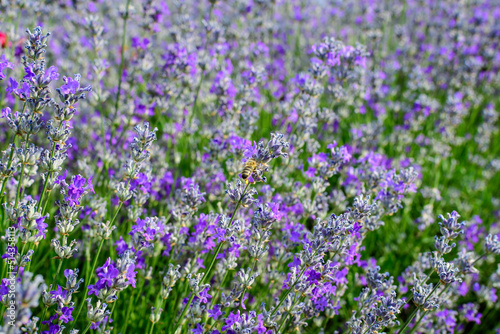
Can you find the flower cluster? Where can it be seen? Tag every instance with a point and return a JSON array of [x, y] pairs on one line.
[[223, 167]]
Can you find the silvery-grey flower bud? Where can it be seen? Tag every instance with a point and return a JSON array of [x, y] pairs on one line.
[[21, 261], [29, 214], [68, 212]]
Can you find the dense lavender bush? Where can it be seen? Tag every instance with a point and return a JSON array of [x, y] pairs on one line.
[[265, 166]]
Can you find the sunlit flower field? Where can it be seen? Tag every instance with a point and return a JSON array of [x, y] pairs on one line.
[[249, 166]]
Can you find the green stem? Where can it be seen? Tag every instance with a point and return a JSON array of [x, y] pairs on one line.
[[212, 262], [40, 262], [220, 244], [87, 259], [296, 281], [116, 213]]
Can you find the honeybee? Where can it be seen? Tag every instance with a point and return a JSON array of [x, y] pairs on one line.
[[249, 168]]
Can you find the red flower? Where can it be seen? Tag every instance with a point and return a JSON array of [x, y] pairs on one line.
[[3, 39]]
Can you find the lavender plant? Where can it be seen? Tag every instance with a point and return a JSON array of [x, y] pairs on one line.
[[249, 167]]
